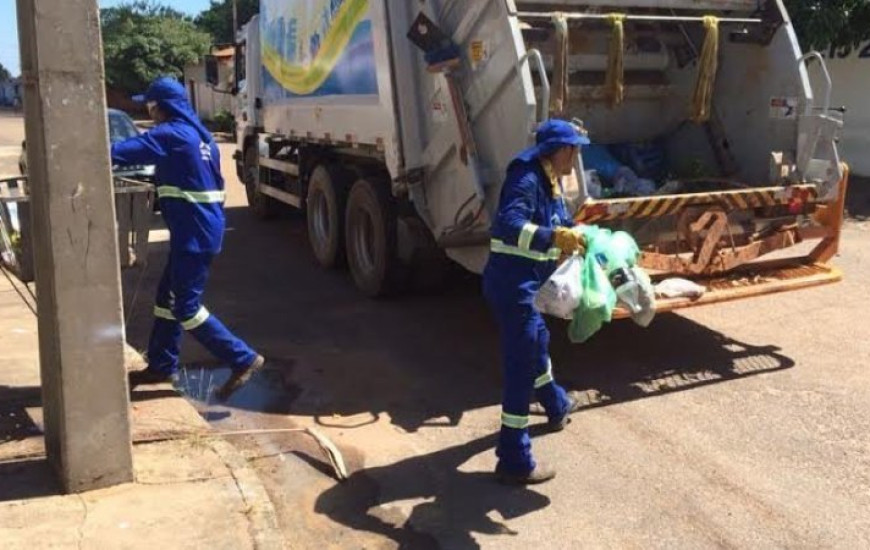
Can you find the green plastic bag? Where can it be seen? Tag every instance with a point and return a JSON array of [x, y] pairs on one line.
[[605, 253]]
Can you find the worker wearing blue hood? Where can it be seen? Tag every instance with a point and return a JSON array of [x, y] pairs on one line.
[[190, 189], [530, 232]]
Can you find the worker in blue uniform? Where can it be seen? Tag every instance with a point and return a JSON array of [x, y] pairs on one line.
[[530, 232], [190, 189]]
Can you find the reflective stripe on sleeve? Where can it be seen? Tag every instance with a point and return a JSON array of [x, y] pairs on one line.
[[201, 317], [526, 236], [499, 247]]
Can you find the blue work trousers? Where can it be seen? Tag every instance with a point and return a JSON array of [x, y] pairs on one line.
[[179, 308], [525, 342]]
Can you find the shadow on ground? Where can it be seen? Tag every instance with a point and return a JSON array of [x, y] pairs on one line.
[[455, 504], [27, 479], [421, 361], [858, 198]]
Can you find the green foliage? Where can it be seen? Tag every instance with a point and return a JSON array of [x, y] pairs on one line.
[[4, 73], [223, 121], [143, 40], [824, 23], [217, 20]]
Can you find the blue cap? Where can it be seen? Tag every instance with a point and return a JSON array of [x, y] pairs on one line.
[[171, 96], [164, 88], [551, 136]]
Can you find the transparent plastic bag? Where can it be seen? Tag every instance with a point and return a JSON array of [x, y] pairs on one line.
[[560, 295]]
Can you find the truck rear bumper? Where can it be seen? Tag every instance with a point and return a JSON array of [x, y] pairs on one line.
[[737, 286]]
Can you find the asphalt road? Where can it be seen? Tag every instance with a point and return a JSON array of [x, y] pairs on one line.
[[743, 425]]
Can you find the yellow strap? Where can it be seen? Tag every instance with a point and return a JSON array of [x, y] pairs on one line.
[[708, 64], [614, 82]]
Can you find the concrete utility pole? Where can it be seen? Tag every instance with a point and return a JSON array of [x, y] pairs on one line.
[[81, 328]]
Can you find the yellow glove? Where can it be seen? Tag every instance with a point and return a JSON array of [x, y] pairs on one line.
[[569, 241]]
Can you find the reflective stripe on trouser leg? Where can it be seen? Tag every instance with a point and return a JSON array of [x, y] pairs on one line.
[[165, 338], [514, 421], [518, 351], [163, 313], [545, 378], [189, 276], [201, 317], [551, 395]]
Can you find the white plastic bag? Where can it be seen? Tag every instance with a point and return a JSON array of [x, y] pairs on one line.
[[560, 295], [679, 288]]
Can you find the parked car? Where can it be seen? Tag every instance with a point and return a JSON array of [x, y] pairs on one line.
[[121, 127]]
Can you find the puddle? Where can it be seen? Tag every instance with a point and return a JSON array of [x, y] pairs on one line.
[[267, 392]]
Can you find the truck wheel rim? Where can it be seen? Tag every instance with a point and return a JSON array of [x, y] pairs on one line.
[[364, 242], [320, 225]]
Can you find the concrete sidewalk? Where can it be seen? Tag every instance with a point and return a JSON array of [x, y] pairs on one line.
[[192, 489]]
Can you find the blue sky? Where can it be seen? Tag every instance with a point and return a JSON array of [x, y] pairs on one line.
[[9, 26]]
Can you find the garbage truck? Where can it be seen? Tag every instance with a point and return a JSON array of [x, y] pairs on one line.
[[392, 123]]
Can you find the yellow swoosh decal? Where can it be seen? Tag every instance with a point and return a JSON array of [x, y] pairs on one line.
[[305, 80]]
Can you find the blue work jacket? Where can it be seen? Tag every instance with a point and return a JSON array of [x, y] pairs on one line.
[[522, 254], [189, 182]]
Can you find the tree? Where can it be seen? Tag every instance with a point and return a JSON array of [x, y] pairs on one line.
[[217, 20], [821, 24], [143, 40], [4, 73]]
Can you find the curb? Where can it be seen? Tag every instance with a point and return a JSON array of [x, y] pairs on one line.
[[262, 518]]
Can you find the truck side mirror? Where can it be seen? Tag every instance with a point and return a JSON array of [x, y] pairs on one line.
[[211, 70]]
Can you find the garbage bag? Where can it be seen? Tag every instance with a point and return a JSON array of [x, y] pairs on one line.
[[594, 187], [679, 288], [647, 159], [560, 295], [597, 157], [626, 182], [635, 292], [596, 303], [609, 254]]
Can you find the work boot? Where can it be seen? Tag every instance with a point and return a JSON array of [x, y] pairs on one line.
[[559, 424], [239, 378], [148, 377], [541, 474]]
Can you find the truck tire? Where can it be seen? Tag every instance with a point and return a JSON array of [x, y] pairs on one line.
[[262, 206], [325, 205], [370, 235]]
